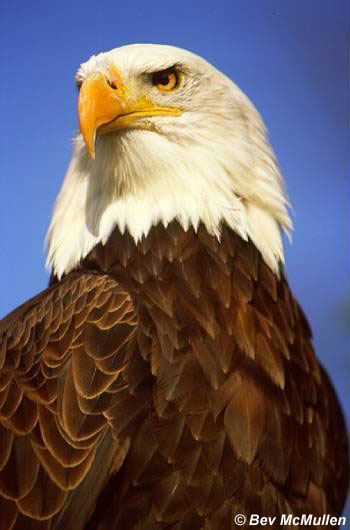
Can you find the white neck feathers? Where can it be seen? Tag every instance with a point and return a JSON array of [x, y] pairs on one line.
[[141, 178]]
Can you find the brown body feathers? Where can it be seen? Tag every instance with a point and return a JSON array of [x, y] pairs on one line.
[[169, 384]]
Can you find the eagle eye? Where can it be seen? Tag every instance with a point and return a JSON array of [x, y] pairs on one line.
[[166, 80]]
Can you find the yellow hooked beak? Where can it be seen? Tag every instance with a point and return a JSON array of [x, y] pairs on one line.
[[105, 106]]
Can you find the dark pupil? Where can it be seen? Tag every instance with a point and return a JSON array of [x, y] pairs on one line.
[[164, 78]]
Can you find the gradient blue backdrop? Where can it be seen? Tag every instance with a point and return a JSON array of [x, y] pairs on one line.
[[289, 56]]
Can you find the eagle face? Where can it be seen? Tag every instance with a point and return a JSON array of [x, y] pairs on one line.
[[134, 85], [165, 136]]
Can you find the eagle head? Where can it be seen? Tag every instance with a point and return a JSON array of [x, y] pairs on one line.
[[165, 136]]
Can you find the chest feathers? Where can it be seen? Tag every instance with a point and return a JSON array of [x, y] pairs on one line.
[[224, 376]]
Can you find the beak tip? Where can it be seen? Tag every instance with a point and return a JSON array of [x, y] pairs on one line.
[[92, 153], [90, 144]]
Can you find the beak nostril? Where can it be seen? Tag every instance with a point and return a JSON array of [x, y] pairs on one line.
[[112, 84]]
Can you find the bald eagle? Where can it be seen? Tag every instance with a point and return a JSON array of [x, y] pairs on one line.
[[166, 377]]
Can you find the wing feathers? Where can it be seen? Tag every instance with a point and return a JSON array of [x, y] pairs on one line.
[[43, 500], [20, 471], [24, 419], [62, 346]]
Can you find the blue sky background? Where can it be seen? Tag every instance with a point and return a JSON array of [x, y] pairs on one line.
[[289, 56]]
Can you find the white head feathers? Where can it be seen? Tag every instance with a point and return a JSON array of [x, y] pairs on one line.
[[211, 164]]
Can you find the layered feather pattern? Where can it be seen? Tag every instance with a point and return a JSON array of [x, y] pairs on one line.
[[57, 387], [166, 384], [238, 395]]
